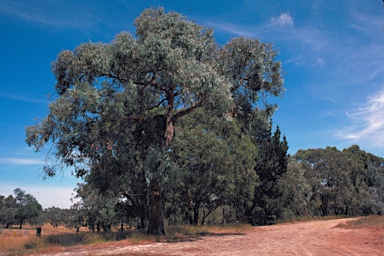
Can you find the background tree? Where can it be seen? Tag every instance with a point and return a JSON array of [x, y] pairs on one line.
[[55, 216], [27, 207], [297, 192], [8, 211], [200, 168], [271, 164], [340, 180], [74, 217], [242, 160], [367, 176], [97, 210], [20, 208], [204, 164], [255, 76]]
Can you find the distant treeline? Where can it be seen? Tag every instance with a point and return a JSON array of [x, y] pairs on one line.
[[314, 182]]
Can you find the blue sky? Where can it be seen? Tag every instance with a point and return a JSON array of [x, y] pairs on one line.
[[332, 53]]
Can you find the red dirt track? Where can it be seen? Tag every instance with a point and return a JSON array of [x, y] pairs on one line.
[[303, 238]]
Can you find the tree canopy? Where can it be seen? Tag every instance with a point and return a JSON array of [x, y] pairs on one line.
[[117, 103]]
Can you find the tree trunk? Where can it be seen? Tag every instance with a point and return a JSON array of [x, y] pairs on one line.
[[142, 203], [142, 222], [203, 218], [223, 220], [169, 128], [190, 219], [249, 215], [156, 210], [196, 214], [156, 200]]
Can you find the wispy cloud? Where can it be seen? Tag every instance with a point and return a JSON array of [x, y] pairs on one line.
[[234, 29], [280, 30], [21, 161], [22, 98], [367, 123], [251, 30], [367, 24], [283, 20], [52, 13], [320, 62]]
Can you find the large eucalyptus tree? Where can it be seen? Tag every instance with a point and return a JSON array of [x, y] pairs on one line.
[[118, 102]]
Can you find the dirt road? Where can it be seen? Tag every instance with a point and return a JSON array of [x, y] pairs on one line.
[[305, 238]]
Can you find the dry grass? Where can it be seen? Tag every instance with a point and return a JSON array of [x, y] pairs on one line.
[[16, 242], [20, 242], [195, 230], [372, 221], [190, 233], [312, 218], [25, 241]]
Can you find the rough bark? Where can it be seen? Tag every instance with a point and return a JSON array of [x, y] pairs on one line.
[[170, 130], [196, 214], [156, 200], [156, 210]]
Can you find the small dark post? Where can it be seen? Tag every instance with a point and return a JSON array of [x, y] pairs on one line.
[[38, 231]]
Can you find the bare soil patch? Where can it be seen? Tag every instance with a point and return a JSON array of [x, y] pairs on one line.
[[302, 238]]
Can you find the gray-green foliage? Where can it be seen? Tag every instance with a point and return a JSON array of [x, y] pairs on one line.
[[28, 208], [118, 103], [214, 162], [297, 193], [55, 216], [8, 211], [94, 209], [131, 91], [341, 182], [119, 94], [20, 208]]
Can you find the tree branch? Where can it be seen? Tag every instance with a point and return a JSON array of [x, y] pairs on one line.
[[157, 105], [185, 111]]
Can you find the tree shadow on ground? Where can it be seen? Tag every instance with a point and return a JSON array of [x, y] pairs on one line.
[[198, 236], [69, 239]]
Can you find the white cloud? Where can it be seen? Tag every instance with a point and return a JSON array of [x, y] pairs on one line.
[[367, 123], [283, 20], [21, 161]]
